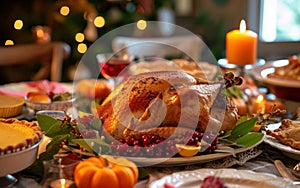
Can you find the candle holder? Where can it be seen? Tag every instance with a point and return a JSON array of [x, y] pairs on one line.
[[58, 173], [239, 70]]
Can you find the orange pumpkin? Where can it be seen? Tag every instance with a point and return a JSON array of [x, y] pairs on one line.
[[106, 171]]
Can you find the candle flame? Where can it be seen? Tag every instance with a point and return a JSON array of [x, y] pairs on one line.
[[243, 26], [63, 183], [259, 99], [260, 102]]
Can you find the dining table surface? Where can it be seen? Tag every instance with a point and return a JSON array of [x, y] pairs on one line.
[[259, 159]]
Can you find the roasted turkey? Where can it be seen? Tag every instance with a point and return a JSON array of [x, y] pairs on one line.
[[161, 102]]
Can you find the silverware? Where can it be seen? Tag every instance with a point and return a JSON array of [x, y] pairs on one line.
[[296, 170], [284, 172], [297, 167]]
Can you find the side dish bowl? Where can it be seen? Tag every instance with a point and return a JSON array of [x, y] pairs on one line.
[[283, 88], [56, 105]]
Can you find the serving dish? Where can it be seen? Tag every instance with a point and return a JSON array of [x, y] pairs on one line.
[[179, 161], [286, 150], [17, 161], [231, 178], [282, 88], [56, 105]]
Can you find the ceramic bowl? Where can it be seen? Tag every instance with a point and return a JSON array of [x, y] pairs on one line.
[[57, 105], [282, 88]]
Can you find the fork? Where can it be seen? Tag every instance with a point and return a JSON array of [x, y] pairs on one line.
[[296, 170], [285, 173]]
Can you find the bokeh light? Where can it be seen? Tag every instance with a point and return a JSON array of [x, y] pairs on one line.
[[18, 24], [9, 42], [141, 24], [99, 21], [79, 37], [64, 10], [81, 48]]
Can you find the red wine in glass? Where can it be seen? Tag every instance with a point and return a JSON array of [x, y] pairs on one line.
[[113, 67]]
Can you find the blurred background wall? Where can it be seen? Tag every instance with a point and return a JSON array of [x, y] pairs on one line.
[[81, 22]]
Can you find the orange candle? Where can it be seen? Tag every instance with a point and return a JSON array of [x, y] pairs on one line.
[[241, 46]]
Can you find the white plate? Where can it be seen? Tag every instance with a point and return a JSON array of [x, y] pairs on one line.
[[179, 161], [231, 178], [286, 150]]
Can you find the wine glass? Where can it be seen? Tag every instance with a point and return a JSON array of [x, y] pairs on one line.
[[111, 65]]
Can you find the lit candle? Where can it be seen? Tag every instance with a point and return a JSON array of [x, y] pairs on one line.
[[241, 46], [259, 105], [61, 183]]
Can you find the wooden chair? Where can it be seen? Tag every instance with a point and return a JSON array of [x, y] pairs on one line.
[[50, 55]]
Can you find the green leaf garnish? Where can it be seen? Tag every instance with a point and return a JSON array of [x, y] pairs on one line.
[[97, 124], [62, 96], [97, 146], [250, 139], [242, 134], [45, 122], [243, 128]]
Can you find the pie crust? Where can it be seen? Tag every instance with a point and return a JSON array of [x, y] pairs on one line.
[[288, 133], [10, 106], [16, 135]]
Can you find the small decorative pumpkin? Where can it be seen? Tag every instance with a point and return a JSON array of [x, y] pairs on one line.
[[106, 171]]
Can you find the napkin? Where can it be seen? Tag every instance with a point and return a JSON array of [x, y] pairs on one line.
[[21, 89]]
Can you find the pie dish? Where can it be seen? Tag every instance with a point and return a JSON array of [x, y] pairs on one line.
[[16, 135], [288, 133], [10, 106]]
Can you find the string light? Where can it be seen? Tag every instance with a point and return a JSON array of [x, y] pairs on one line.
[[79, 37], [64, 10], [99, 21], [18, 24], [81, 48], [141, 24], [9, 42]]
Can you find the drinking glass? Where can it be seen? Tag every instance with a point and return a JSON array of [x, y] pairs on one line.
[[111, 65], [58, 173]]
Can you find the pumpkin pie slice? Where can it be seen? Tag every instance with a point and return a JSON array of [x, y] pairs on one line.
[[16, 135]]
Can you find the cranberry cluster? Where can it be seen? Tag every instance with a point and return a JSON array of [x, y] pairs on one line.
[[88, 131], [156, 146]]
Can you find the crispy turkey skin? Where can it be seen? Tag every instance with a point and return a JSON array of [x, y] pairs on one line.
[[166, 99]]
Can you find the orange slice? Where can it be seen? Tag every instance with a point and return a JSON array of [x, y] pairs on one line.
[[187, 151]]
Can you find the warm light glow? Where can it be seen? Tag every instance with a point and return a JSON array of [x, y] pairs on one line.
[[259, 99], [64, 10], [18, 24], [99, 21], [9, 42], [63, 182], [243, 26], [81, 48], [40, 33], [79, 37], [259, 106], [141, 24]]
